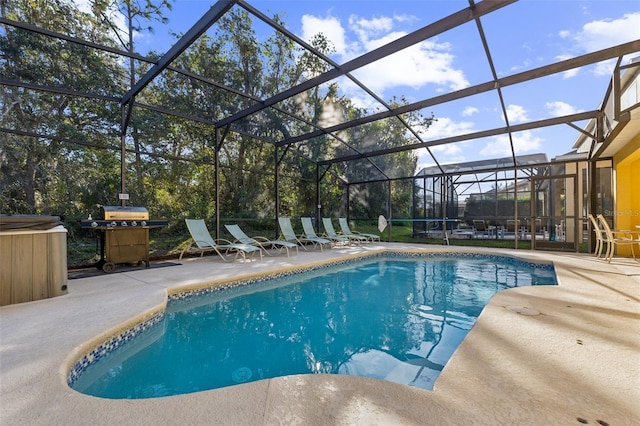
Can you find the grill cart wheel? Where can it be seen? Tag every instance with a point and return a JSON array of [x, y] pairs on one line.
[[108, 267]]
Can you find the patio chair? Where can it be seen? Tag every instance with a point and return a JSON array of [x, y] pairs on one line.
[[201, 237], [310, 232], [513, 226], [259, 241], [286, 228], [599, 234], [331, 233], [612, 240], [480, 228], [344, 226]]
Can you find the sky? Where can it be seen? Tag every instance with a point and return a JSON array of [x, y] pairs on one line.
[[521, 36]]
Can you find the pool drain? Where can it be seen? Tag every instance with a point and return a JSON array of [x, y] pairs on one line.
[[241, 375]]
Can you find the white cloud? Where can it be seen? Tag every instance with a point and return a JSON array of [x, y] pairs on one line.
[[445, 127], [329, 26], [447, 151], [469, 111], [429, 62], [445, 154], [366, 27], [598, 35], [404, 18], [117, 18], [570, 73], [524, 65], [359, 98], [559, 108], [425, 63], [516, 114], [523, 142]]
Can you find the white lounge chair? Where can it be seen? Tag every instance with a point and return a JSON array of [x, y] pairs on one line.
[[331, 233], [201, 237], [288, 234], [344, 226], [259, 241], [310, 232], [480, 229]]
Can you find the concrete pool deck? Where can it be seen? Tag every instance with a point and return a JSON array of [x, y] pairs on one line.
[[575, 361]]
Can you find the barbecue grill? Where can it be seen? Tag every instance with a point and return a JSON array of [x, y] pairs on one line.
[[124, 235]]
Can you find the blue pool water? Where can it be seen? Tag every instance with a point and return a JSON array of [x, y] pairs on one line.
[[392, 319]]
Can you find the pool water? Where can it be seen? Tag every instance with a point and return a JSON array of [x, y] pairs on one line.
[[390, 319]]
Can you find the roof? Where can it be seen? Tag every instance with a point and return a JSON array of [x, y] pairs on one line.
[[484, 166]]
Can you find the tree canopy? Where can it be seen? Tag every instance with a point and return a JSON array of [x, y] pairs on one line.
[[62, 120]]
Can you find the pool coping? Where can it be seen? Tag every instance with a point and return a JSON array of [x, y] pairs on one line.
[[578, 359]]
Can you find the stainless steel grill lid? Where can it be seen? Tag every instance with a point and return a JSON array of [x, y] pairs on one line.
[[124, 213]]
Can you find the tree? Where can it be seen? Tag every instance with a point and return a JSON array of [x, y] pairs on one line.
[[34, 178], [74, 165], [138, 15]]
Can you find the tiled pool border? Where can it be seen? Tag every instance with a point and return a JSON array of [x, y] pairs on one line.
[[204, 289], [96, 349]]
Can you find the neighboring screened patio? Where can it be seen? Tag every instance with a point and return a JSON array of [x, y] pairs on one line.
[[538, 201]]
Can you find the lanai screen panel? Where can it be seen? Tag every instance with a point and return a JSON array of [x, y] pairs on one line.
[[218, 76], [50, 62]]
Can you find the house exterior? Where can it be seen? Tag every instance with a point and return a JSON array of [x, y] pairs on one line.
[[613, 141]]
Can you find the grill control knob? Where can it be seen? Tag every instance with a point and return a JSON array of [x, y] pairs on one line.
[[123, 223], [94, 224], [143, 223], [134, 223], [114, 223]]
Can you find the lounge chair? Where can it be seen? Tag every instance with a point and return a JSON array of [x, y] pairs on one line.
[[480, 228], [310, 232], [513, 226], [330, 232], [260, 241], [288, 234], [612, 240], [344, 226], [201, 237]]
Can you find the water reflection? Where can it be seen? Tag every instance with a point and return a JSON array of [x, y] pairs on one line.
[[395, 320]]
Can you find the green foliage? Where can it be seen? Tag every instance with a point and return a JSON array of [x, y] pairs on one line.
[[47, 175], [63, 153]]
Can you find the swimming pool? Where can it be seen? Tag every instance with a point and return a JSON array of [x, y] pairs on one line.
[[393, 317]]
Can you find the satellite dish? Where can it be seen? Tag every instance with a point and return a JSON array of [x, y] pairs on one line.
[[382, 223]]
